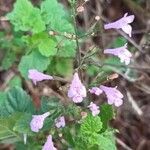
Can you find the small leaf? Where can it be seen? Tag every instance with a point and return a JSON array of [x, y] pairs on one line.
[[91, 125], [25, 17], [107, 141], [42, 41], [54, 14], [106, 115], [33, 61]]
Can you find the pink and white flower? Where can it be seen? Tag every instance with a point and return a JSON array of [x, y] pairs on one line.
[[77, 90], [60, 122], [113, 95], [49, 145], [122, 23], [94, 109], [95, 90], [121, 52], [37, 76], [37, 121]]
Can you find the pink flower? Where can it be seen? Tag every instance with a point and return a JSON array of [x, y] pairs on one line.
[[77, 90], [121, 52], [122, 23], [95, 90], [113, 95], [36, 76], [94, 109], [60, 122], [37, 121], [49, 144]]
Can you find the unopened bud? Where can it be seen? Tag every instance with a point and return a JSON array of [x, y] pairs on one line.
[[80, 9], [113, 76], [97, 18], [51, 33], [83, 114]]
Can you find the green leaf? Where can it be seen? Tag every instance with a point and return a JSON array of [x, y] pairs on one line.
[[3, 97], [42, 41], [50, 104], [61, 66], [55, 15], [6, 128], [91, 125], [107, 141], [66, 48], [106, 115], [8, 59], [25, 17], [15, 81], [33, 61], [22, 125], [18, 101], [118, 42]]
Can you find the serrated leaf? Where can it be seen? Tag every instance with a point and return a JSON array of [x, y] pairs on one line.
[[55, 15], [91, 125], [6, 127], [45, 43], [106, 115], [25, 17], [18, 101], [3, 98], [33, 61], [107, 141]]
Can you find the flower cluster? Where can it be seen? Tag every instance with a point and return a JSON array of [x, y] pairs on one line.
[[113, 95], [77, 91]]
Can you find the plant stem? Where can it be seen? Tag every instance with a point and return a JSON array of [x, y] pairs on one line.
[[78, 56]]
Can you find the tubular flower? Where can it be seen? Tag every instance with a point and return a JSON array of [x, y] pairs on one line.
[[95, 90], [37, 76], [77, 90], [37, 121], [121, 52], [60, 122], [94, 109], [113, 95], [122, 23], [49, 144]]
